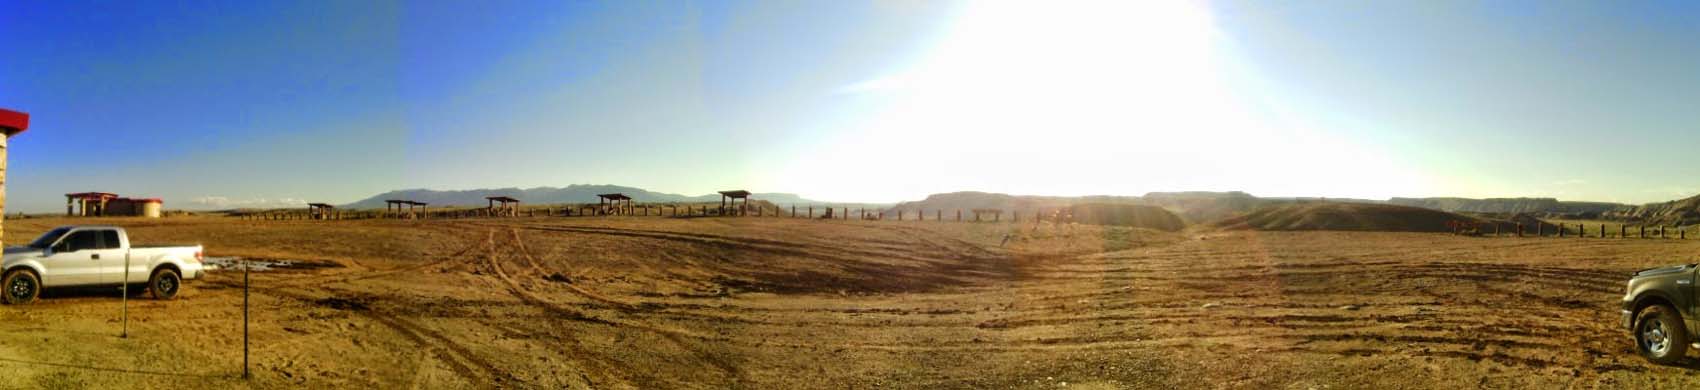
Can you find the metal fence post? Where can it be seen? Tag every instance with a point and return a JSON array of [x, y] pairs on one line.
[[125, 299], [245, 373]]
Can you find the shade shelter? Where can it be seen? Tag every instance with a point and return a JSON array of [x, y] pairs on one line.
[[399, 204], [11, 123], [320, 210], [610, 204], [86, 204], [729, 202], [508, 207]]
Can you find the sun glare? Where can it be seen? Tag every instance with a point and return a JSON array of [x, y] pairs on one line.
[[1091, 97]]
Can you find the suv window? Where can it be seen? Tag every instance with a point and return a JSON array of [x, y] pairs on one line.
[[109, 239], [80, 240]]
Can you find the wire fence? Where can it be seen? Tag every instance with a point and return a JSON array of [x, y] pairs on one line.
[[810, 211]]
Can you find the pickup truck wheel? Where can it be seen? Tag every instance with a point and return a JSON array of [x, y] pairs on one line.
[[1660, 335], [164, 284], [21, 287]]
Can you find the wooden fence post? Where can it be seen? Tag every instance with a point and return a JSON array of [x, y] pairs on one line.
[[958, 215]]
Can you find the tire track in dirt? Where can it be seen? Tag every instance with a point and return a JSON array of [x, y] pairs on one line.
[[565, 349], [538, 269], [665, 309], [675, 336], [444, 349], [833, 264], [345, 277], [843, 255], [1519, 344]]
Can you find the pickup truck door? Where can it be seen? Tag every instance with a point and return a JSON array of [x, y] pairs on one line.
[[75, 260], [111, 251]]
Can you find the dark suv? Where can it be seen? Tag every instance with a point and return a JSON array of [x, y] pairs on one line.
[[1659, 311]]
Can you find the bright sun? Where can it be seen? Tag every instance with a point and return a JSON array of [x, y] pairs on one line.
[[1065, 98]]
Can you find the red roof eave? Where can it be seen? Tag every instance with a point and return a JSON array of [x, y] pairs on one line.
[[16, 121], [92, 195]]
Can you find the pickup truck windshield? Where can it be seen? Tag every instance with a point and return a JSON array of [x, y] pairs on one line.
[[48, 238]]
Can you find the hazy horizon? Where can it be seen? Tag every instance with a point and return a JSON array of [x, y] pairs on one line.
[[220, 105], [227, 204]]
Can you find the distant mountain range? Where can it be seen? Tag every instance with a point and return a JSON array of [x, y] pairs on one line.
[[1194, 207], [1200, 207], [576, 193]]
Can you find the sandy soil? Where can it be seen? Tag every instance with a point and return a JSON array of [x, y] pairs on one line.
[[778, 303]]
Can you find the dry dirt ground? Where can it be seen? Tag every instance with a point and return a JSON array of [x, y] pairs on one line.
[[661, 303]]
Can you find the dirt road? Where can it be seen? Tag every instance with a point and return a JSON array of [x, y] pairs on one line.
[[779, 303]]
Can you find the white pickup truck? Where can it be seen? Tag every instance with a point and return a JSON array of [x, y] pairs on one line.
[[94, 255]]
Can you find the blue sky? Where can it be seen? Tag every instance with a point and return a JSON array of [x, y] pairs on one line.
[[222, 104]]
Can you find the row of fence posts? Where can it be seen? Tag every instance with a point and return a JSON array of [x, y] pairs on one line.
[[809, 212], [1561, 230]]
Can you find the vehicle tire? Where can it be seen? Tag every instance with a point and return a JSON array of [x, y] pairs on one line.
[[1660, 335], [21, 287], [164, 284]]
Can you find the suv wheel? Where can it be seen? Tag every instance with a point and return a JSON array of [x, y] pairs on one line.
[[20, 287], [1660, 335]]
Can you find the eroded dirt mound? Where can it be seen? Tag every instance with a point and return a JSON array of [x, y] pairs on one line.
[[1673, 213], [1151, 217], [1343, 216]]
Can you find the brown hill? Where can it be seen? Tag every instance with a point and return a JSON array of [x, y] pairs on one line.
[[1192, 207], [1198, 206], [1679, 212], [1024, 204], [1151, 217], [1343, 216], [1538, 206]]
